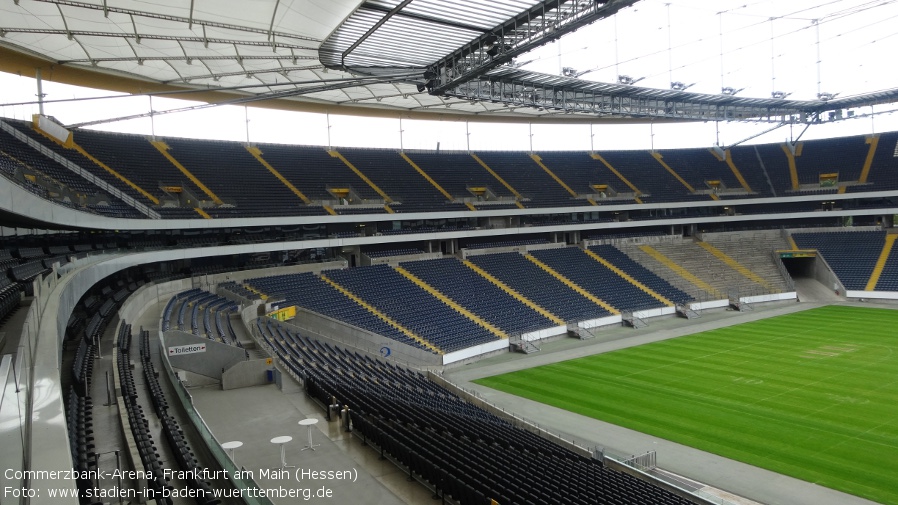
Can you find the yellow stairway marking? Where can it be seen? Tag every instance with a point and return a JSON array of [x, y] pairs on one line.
[[115, 174], [682, 272], [735, 265], [500, 179], [429, 178], [451, 303], [262, 295], [881, 262], [619, 175], [629, 279], [162, 147], [470, 206], [714, 197], [380, 315], [792, 243], [257, 153], [330, 210], [842, 189], [517, 296], [389, 210], [873, 141], [660, 160], [569, 283], [202, 213], [793, 170], [736, 172], [335, 154], [539, 161]]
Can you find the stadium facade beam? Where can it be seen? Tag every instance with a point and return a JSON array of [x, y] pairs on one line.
[[558, 94]]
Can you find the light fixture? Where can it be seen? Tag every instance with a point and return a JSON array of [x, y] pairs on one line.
[[727, 90], [779, 94], [627, 80], [826, 96], [680, 86]]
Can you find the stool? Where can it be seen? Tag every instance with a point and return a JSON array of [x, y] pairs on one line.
[[309, 422], [231, 446], [281, 441]]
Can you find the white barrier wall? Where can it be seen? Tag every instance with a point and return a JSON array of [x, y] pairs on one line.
[[477, 350], [878, 295], [772, 297], [710, 304], [544, 333], [657, 312], [602, 321]]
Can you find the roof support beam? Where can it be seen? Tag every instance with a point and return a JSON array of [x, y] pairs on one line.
[[134, 12], [357, 43], [236, 58], [206, 41], [274, 13], [543, 23]]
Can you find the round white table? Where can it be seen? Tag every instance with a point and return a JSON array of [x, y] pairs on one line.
[[312, 421], [281, 441], [230, 446]]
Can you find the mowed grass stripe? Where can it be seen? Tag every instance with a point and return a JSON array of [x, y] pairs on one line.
[[813, 394]]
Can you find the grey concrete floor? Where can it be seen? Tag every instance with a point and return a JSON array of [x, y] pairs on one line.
[[257, 414]]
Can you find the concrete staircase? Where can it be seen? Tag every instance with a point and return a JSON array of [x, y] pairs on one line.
[[670, 270], [753, 250]]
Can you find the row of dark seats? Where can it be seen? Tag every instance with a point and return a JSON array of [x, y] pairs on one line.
[[393, 252], [229, 170], [462, 452], [239, 290], [203, 307], [172, 430], [79, 421], [83, 367], [159, 485]]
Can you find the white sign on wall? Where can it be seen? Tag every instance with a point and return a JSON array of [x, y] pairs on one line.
[[177, 350]]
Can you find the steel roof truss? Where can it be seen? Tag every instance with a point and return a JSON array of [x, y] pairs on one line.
[[543, 23]]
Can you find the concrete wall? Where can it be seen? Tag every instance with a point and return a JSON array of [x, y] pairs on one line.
[[211, 362], [825, 275], [395, 260], [246, 374], [523, 249]]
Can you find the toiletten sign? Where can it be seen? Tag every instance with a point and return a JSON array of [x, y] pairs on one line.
[[177, 350]]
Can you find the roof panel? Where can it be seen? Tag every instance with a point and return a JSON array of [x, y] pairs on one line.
[[222, 43]]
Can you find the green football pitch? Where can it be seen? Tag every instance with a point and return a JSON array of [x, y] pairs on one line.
[[812, 394]]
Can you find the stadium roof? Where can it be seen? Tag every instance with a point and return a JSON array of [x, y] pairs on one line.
[[419, 58]]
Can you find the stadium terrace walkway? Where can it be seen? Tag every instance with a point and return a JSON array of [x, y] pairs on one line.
[[722, 473], [254, 415]]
